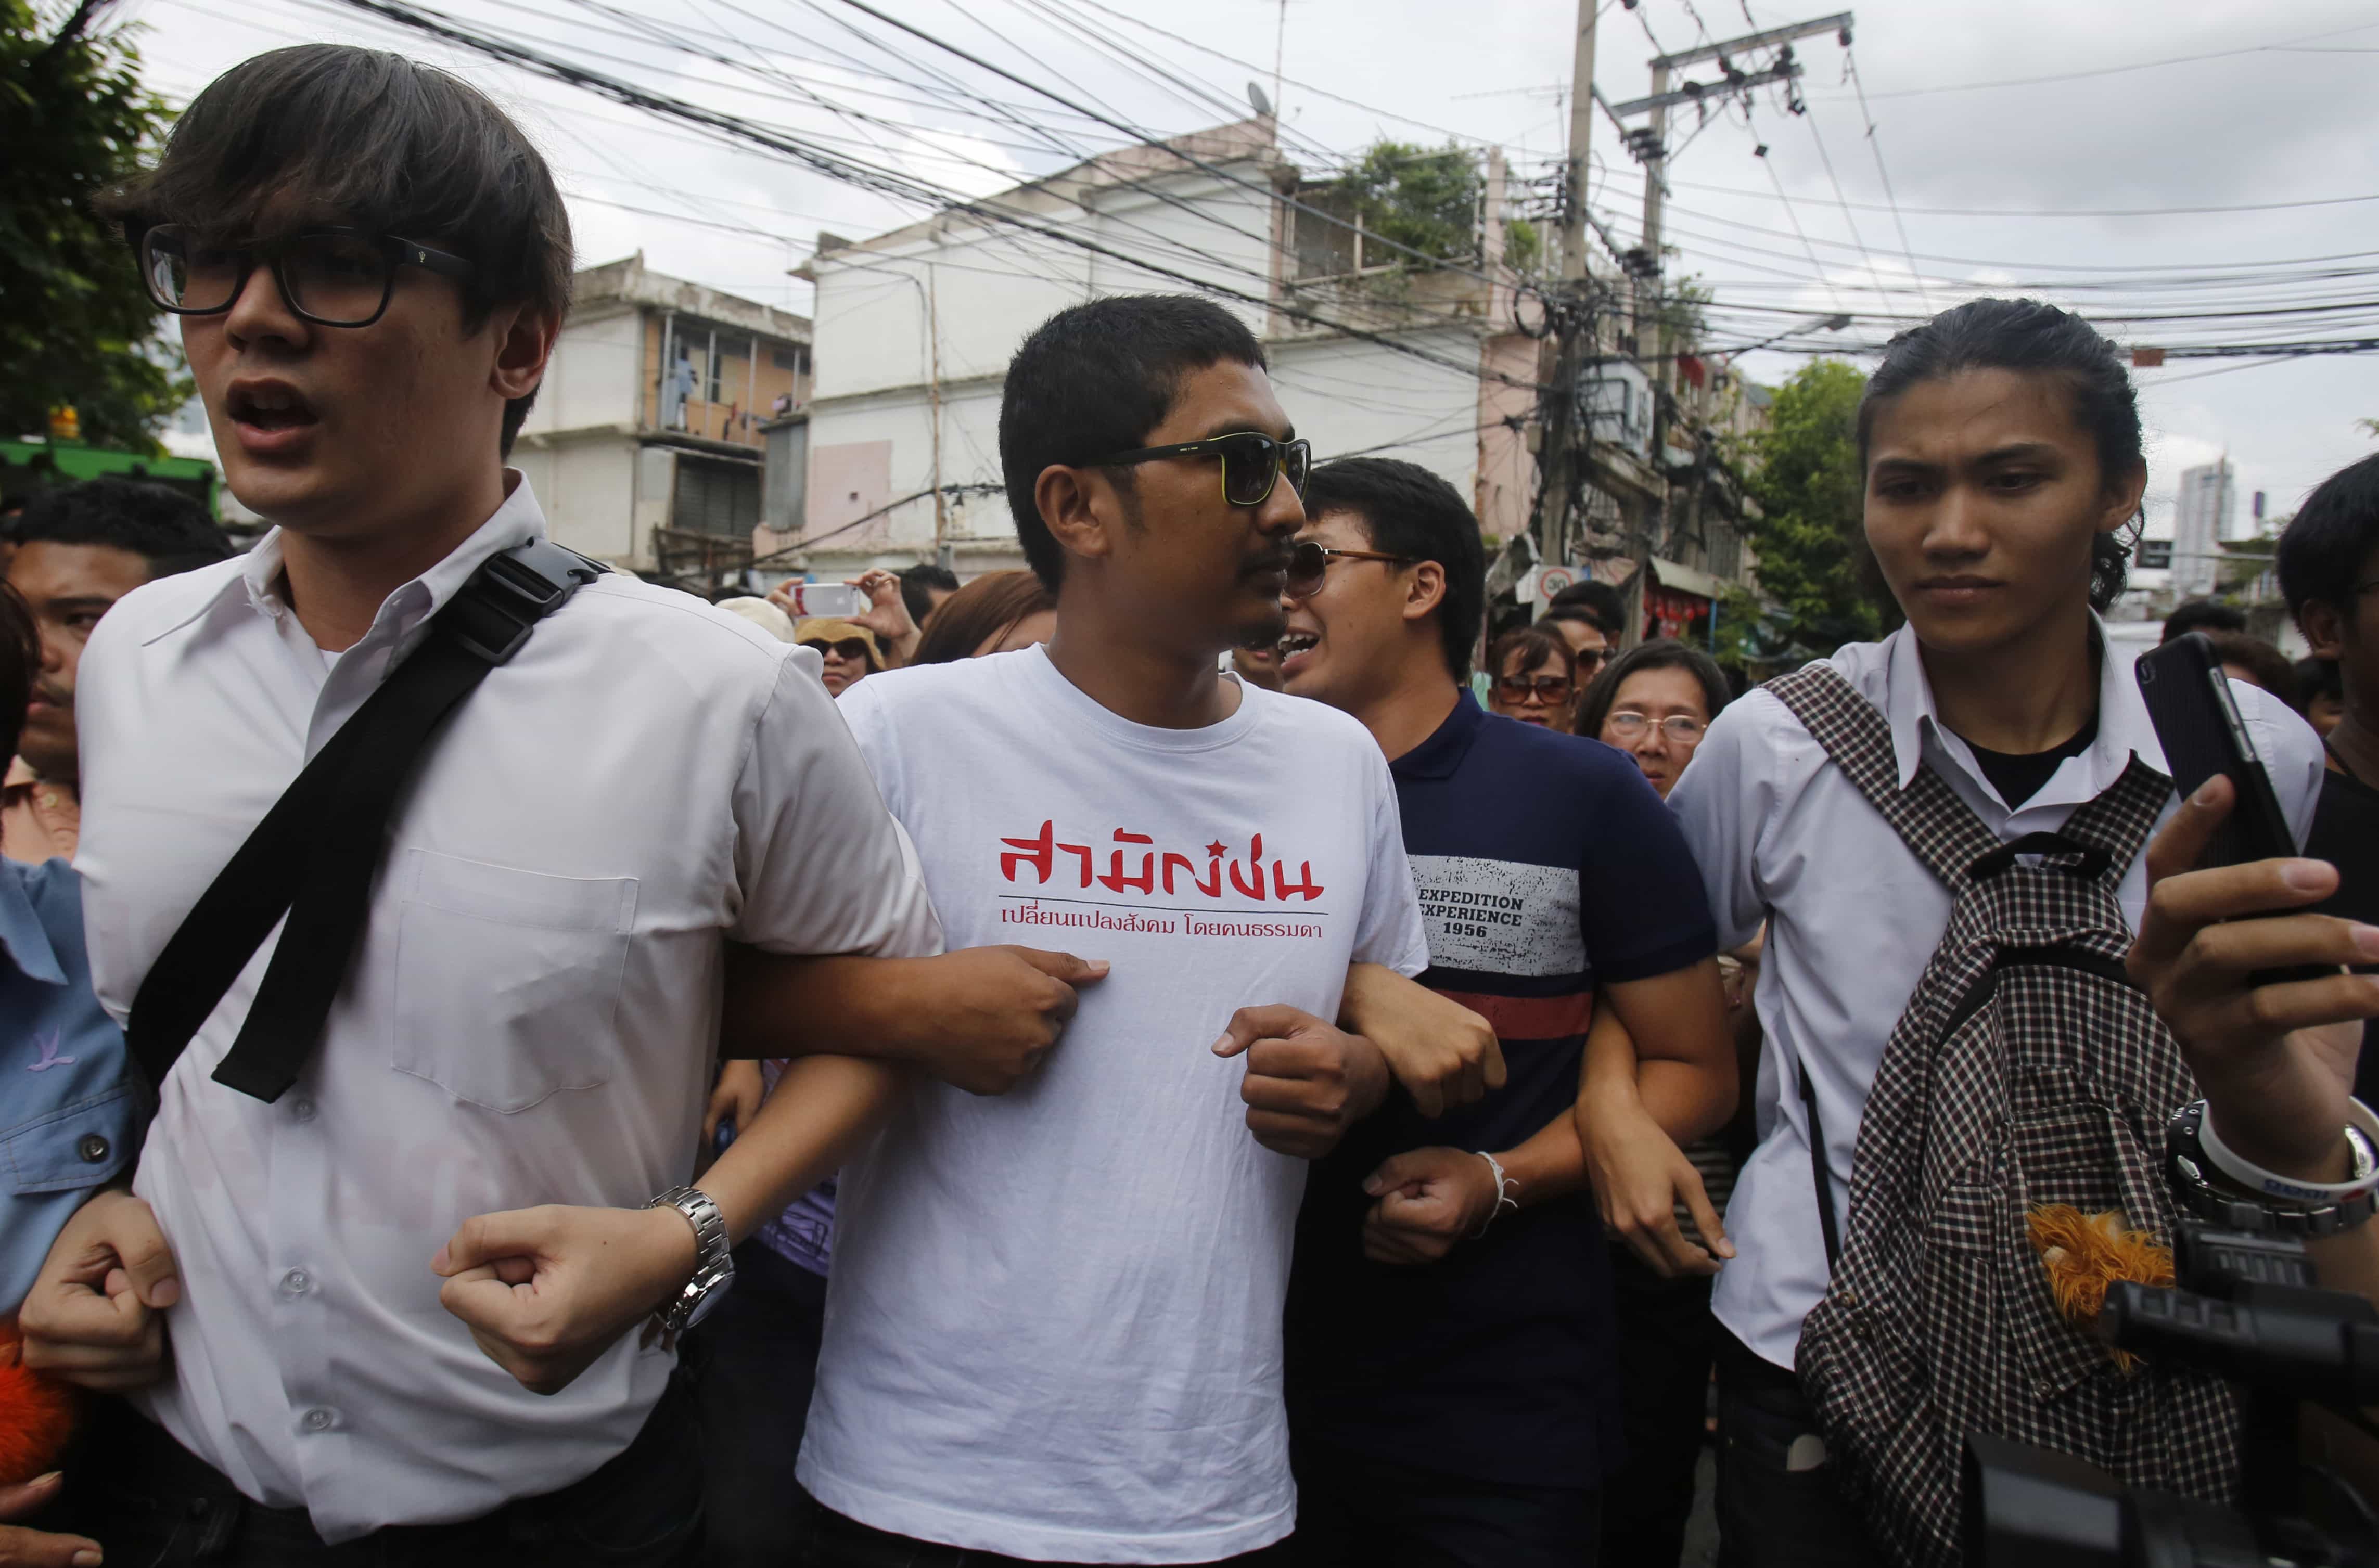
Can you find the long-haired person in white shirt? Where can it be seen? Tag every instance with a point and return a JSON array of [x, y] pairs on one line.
[[2002, 455]]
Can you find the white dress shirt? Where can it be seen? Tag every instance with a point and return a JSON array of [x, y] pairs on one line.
[[531, 1014], [1853, 917]]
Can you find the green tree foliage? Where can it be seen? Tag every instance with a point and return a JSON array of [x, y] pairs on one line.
[[1424, 198], [1812, 557], [1524, 248], [75, 327]]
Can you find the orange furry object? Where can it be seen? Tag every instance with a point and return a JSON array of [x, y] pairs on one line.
[[37, 1415], [2086, 1253]]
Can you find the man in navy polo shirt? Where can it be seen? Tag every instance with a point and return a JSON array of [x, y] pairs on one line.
[[1452, 1392]]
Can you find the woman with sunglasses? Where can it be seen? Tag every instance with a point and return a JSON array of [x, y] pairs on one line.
[[847, 648], [1536, 678]]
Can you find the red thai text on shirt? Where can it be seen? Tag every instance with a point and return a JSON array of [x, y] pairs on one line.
[[1133, 869]]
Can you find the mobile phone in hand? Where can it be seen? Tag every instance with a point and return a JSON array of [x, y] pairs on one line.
[[827, 598], [2198, 724]]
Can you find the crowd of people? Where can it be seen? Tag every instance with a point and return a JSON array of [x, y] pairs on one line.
[[1129, 1061]]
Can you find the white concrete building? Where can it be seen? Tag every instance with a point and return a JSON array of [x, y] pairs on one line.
[[656, 410], [2201, 521], [914, 329]]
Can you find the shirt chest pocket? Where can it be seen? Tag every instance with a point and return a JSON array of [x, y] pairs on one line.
[[508, 981], [68, 1150]]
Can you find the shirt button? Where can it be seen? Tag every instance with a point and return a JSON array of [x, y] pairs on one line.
[[296, 1282], [318, 1420], [302, 1108], [93, 1147]]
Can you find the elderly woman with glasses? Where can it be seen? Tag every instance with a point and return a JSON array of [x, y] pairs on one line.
[[1653, 702]]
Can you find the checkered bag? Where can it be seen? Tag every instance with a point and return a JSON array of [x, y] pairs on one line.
[[2026, 1070]]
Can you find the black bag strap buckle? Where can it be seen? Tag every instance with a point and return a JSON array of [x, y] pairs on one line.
[[492, 614], [2087, 862]]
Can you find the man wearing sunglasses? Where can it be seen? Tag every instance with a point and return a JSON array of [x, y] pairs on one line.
[[1453, 1394], [378, 1350], [1054, 1324]]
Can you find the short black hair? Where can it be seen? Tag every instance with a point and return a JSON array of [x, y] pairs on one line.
[[389, 144], [1598, 599], [20, 657], [157, 523], [1661, 653], [1405, 509], [2029, 337], [916, 583], [2322, 550], [2202, 615], [1094, 379]]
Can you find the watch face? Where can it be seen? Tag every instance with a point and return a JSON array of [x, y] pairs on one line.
[[712, 1294]]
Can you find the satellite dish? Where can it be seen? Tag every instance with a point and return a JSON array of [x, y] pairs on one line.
[[1257, 96]]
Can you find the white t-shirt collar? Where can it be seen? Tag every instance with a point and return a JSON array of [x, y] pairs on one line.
[[1037, 668]]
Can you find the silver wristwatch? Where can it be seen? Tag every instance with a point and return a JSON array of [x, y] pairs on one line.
[[714, 1266]]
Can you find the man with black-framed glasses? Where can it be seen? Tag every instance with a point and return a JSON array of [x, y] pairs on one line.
[[402, 1232], [1453, 1394]]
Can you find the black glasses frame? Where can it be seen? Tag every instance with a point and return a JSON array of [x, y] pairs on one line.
[[1277, 456], [395, 250]]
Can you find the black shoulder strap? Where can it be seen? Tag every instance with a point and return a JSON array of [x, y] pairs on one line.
[[314, 855], [1826, 1226]]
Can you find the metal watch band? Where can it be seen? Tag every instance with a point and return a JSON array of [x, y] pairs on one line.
[[714, 1265], [2191, 1173]]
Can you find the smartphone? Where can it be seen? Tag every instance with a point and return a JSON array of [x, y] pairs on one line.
[[827, 598], [2198, 724]]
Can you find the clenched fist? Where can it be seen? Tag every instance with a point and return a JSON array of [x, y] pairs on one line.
[[1306, 1082], [995, 1012]]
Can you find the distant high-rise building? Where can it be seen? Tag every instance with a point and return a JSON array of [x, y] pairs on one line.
[[2201, 519]]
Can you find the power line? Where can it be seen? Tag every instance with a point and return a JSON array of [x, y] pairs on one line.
[[1850, 67], [2060, 211], [2119, 70], [1840, 200], [850, 170], [1150, 139]]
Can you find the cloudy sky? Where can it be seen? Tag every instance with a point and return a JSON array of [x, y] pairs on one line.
[[2034, 144]]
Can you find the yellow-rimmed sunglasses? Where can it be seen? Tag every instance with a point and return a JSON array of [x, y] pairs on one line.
[[1252, 462]]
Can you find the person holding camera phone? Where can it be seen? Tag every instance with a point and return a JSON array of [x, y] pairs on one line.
[[1892, 813]]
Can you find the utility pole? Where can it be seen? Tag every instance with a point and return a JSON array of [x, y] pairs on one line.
[[934, 398], [1649, 142], [1562, 428], [1279, 52]]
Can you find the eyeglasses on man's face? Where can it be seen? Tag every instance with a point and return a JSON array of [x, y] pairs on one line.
[[1308, 563], [1681, 728], [1252, 462], [332, 277], [850, 648], [1547, 689]]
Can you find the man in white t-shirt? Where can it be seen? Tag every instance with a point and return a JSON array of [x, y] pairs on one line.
[[1054, 1328]]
